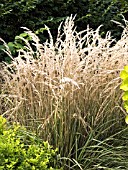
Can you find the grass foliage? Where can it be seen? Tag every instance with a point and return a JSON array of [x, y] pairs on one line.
[[67, 92]]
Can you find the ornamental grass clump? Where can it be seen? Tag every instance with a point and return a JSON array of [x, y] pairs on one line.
[[67, 91]]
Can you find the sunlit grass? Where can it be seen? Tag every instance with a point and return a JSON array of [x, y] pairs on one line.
[[69, 95]]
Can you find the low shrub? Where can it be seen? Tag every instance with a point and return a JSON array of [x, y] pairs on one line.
[[21, 150]]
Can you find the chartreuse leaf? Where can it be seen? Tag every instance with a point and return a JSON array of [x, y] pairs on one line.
[[126, 68], [125, 96], [126, 105], [123, 74], [23, 34], [126, 119], [124, 86]]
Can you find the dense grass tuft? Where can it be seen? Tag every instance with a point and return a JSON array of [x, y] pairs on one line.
[[68, 93]]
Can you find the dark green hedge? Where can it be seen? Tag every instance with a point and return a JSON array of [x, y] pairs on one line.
[[33, 14]]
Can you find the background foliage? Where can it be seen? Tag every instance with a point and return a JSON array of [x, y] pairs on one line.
[[33, 14]]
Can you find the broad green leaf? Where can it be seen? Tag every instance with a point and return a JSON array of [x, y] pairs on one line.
[[10, 44], [23, 34], [17, 38], [18, 45]]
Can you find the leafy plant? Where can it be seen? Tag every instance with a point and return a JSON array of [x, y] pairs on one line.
[[14, 47], [19, 43], [22, 150], [124, 87]]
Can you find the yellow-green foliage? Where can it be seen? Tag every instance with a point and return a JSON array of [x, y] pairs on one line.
[[124, 86], [20, 150]]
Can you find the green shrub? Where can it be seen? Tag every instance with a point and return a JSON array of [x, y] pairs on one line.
[[23, 151], [19, 43]]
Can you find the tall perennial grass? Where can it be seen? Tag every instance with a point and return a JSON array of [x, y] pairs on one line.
[[67, 92]]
